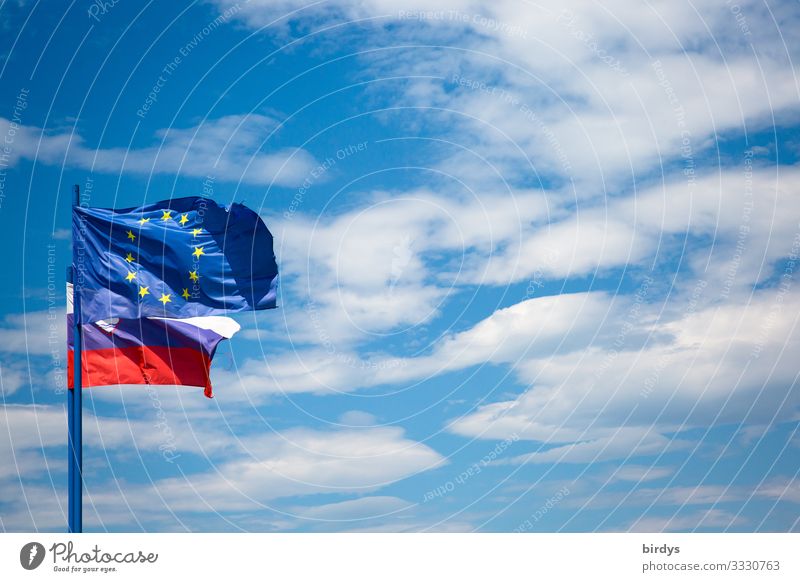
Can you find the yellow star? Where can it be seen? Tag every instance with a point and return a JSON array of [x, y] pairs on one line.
[[165, 298], [194, 276], [166, 215], [185, 294], [142, 221], [144, 291], [130, 276], [129, 258], [184, 219], [196, 231], [131, 235], [198, 251]]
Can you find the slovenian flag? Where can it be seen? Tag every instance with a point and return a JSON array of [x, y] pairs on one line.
[[149, 350]]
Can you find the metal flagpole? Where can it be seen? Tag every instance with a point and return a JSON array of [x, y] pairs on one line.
[[70, 430], [75, 398]]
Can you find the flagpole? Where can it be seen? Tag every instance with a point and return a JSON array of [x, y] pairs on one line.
[[75, 398], [70, 429]]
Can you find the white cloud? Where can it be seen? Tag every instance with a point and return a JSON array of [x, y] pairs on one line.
[[613, 127], [356, 509], [229, 148], [292, 463], [780, 489], [357, 418], [714, 519], [724, 363], [349, 285], [640, 473], [35, 333], [31, 427], [542, 325], [38, 507], [371, 270], [623, 443], [585, 81], [750, 208], [248, 471], [12, 378], [36, 429]]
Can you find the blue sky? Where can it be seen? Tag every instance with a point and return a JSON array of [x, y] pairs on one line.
[[538, 264]]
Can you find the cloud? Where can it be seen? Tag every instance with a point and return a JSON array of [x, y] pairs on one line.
[[228, 148], [36, 333], [364, 508], [31, 427], [570, 117], [357, 418], [34, 430], [37, 507], [713, 519], [719, 364], [293, 463], [393, 264], [623, 443], [378, 267], [615, 129], [585, 134], [594, 94], [745, 215], [247, 470], [12, 378], [640, 473], [780, 489], [544, 325]]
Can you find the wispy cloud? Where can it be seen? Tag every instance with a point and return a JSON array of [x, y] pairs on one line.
[[232, 148]]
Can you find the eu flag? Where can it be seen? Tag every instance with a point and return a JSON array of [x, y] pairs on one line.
[[180, 258]]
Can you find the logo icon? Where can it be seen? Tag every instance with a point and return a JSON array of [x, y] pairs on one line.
[[31, 555]]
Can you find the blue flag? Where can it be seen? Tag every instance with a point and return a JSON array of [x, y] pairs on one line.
[[186, 257]]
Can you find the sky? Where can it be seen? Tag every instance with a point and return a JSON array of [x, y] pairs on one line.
[[538, 262]]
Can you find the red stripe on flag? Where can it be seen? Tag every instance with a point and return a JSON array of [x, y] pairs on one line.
[[143, 365]]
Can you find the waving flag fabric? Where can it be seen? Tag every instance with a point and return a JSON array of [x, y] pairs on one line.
[[148, 350], [179, 258]]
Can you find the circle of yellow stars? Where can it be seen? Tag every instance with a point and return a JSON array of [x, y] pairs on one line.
[[194, 275]]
